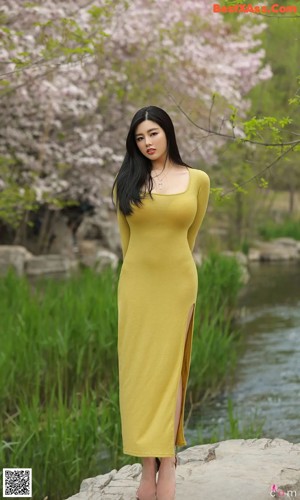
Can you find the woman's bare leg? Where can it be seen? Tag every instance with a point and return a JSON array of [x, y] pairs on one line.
[[147, 487]]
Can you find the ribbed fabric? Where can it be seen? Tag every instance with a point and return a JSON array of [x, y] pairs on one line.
[[157, 288]]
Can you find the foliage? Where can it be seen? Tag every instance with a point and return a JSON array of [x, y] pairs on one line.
[[73, 75], [289, 228], [214, 344], [58, 371]]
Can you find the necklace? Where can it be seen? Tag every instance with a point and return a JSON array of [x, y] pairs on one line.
[[159, 183]]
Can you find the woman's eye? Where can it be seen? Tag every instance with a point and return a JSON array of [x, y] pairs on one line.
[[154, 133]]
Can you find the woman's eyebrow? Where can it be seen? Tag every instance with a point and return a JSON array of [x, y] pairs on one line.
[[150, 130]]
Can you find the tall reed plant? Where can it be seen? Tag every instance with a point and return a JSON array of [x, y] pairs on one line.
[[214, 354], [288, 228], [59, 370]]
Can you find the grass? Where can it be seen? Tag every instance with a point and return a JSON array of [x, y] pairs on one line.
[[289, 228], [214, 354], [59, 370]]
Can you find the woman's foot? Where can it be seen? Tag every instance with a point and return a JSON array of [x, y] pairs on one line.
[[147, 487], [166, 484]]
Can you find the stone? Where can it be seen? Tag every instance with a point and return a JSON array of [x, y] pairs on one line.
[[242, 469], [289, 242], [253, 255], [198, 258], [280, 249], [105, 258], [102, 227], [50, 265], [92, 254], [14, 256], [62, 240], [87, 252]]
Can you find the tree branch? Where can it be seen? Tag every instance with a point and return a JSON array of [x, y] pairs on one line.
[[232, 137], [259, 173]]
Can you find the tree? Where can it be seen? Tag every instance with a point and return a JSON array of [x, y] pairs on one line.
[[73, 77]]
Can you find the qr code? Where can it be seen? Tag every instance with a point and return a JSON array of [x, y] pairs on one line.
[[17, 483]]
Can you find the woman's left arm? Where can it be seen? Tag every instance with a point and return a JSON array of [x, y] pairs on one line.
[[202, 202]]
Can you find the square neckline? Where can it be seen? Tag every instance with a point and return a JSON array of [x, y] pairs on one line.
[[175, 194]]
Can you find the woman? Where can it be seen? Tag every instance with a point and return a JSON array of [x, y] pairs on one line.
[[161, 203]]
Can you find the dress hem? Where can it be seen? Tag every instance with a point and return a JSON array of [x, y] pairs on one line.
[[152, 453]]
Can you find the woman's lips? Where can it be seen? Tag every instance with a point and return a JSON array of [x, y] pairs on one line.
[[150, 151]]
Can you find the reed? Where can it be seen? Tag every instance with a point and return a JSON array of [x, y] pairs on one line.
[[288, 228], [215, 343], [59, 370]]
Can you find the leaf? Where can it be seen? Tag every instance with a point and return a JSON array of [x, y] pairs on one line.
[[263, 183]]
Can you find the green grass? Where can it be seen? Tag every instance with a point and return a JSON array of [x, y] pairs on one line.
[[59, 370], [289, 228], [214, 354]]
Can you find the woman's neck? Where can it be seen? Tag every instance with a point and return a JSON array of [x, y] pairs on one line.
[[158, 165]]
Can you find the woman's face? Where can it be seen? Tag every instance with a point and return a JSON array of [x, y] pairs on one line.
[[151, 140]]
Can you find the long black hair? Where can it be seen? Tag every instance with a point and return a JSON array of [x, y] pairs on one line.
[[135, 170]]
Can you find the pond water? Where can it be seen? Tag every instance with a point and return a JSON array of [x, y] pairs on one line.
[[267, 378]]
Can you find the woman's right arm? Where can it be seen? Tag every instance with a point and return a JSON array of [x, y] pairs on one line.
[[124, 228]]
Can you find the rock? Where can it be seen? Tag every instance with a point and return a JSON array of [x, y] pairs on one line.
[[253, 255], [62, 240], [105, 258], [289, 242], [111, 237], [87, 251], [50, 265], [102, 227], [92, 254], [234, 469], [13, 256], [89, 229], [275, 250], [198, 258]]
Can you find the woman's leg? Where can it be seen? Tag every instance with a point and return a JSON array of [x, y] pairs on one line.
[[147, 487], [166, 484]]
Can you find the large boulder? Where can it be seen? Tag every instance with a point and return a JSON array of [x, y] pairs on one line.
[[13, 256], [279, 249], [92, 254], [251, 469], [50, 265]]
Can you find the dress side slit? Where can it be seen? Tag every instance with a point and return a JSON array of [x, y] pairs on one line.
[[180, 440]]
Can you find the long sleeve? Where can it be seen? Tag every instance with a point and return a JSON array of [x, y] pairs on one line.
[[124, 228], [202, 201]]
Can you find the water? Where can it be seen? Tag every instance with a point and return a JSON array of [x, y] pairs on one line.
[[267, 379]]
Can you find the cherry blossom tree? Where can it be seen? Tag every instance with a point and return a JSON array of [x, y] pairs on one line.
[[74, 73]]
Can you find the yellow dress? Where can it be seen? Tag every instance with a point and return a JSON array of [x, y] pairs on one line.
[[156, 291]]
